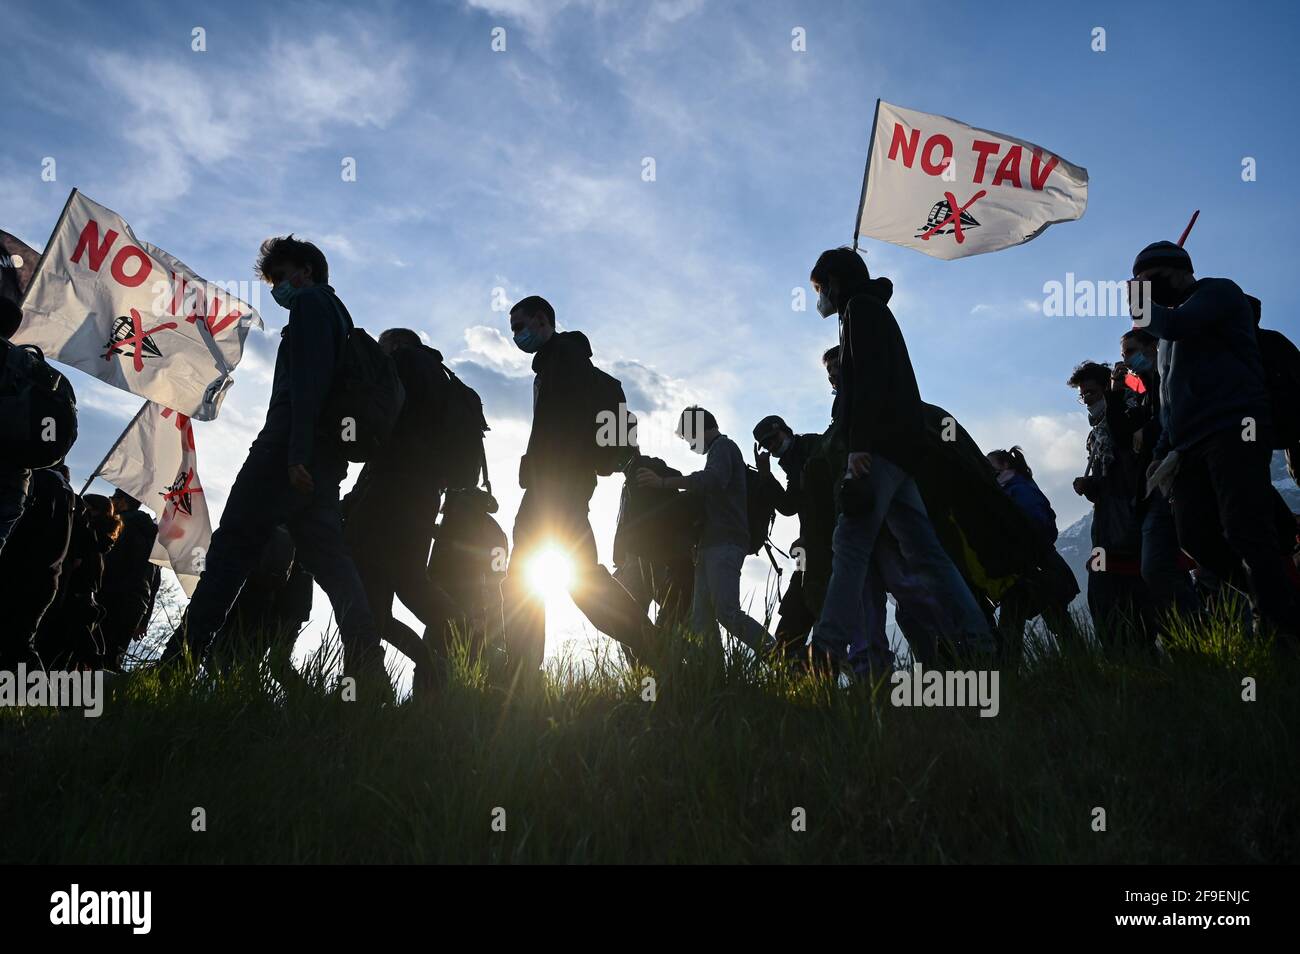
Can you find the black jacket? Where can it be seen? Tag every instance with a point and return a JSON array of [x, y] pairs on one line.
[[31, 563], [304, 371], [882, 405], [1213, 375], [127, 570], [561, 445]]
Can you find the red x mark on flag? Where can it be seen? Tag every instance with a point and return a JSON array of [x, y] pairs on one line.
[[183, 425], [137, 336], [954, 215], [183, 491]]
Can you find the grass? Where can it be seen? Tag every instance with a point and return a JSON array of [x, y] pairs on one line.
[[586, 770]]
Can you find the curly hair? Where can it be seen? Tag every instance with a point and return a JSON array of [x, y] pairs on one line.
[[287, 250], [1089, 371]]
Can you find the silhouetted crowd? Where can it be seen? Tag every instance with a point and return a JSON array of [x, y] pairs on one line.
[[894, 501]]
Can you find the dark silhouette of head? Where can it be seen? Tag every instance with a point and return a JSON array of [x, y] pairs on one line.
[[840, 272], [393, 338], [1013, 460], [695, 426], [289, 259]]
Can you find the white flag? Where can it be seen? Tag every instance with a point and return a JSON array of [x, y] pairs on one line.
[[951, 190], [155, 462], [133, 316]]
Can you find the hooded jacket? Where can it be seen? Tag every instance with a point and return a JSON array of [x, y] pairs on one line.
[[561, 444], [1211, 373], [881, 406], [304, 372]]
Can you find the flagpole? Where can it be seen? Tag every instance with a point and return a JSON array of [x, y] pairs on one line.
[[100, 466], [1188, 231], [862, 200], [58, 224]]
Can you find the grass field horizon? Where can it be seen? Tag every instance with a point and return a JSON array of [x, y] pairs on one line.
[[579, 767]]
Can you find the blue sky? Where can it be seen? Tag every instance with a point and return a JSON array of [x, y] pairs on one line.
[[522, 170]]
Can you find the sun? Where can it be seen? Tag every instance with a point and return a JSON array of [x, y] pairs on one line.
[[550, 571]]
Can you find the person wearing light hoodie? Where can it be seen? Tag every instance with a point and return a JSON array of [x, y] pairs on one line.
[[724, 537]]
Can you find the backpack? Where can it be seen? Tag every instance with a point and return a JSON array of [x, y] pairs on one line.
[[760, 511], [365, 398], [608, 406], [1282, 378], [468, 564], [458, 437], [38, 409], [656, 524]]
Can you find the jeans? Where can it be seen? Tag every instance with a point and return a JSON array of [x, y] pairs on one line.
[[895, 503], [919, 615], [717, 597], [260, 500], [1168, 586]]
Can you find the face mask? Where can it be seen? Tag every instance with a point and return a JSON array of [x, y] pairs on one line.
[[1163, 293], [785, 446], [1140, 363], [1097, 411], [1004, 476], [284, 294], [528, 341], [825, 307]]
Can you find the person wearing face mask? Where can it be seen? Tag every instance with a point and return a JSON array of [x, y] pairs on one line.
[[724, 537], [292, 475], [1118, 599], [880, 433], [1165, 568], [558, 475], [1017, 481], [1215, 447]]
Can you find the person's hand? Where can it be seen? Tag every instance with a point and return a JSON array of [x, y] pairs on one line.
[[1137, 442], [1151, 469], [1080, 485], [645, 477], [859, 464], [300, 479], [762, 460], [1118, 375]]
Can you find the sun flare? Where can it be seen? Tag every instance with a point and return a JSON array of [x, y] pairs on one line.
[[550, 571]]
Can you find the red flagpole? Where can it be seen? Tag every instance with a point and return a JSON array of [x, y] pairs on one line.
[[1188, 230]]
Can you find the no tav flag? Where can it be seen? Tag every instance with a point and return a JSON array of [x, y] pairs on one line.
[[155, 462], [132, 315], [951, 190]]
